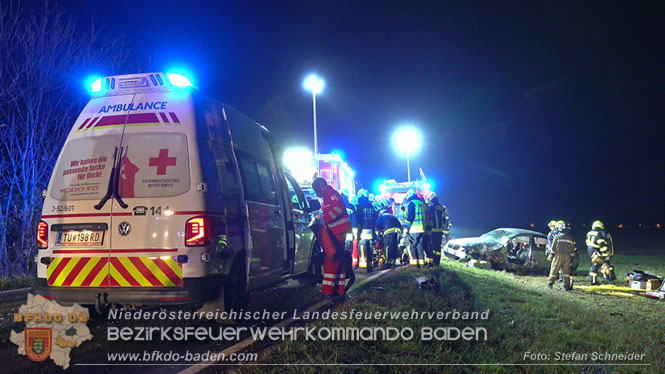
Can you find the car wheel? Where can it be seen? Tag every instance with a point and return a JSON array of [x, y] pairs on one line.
[[315, 274]]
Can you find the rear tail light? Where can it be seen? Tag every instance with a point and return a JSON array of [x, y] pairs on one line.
[[42, 235], [197, 232]]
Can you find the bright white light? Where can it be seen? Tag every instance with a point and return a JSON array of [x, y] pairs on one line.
[[300, 163], [179, 80], [313, 84], [407, 140], [97, 85]]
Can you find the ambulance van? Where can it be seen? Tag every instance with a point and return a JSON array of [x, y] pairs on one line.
[[162, 195]]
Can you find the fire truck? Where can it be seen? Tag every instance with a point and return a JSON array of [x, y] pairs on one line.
[[331, 167], [390, 188]]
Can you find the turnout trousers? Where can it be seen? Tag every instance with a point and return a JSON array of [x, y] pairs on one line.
[[561, 262], [417, 248], [390, 242], [435, 247]]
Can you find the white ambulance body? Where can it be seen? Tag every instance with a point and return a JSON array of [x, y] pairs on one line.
[[161, 195]]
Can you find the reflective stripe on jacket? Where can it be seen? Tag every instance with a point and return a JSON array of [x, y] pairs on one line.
[[334, 212]]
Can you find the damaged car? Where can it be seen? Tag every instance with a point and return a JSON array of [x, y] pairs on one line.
[[504, 248]]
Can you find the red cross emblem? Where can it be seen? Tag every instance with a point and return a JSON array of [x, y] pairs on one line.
[[162, 161]]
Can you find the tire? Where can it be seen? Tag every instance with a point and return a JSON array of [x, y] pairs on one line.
[[235, 287], [315, 274]]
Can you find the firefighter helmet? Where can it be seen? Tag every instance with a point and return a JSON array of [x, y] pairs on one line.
[[383, 203], [598, 225], [560, 225], [431, 197], [363, 192], [410, 193], [552, 225]]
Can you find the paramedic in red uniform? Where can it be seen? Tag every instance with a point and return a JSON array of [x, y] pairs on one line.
[[337, 224]]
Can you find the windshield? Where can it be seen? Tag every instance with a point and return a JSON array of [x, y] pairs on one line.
[[498, 235]]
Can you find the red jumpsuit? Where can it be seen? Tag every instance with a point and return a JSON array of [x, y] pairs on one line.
[[338, 224]]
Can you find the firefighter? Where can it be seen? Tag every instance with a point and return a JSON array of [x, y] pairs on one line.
[[447, 226], [563, 248], [337, 224], [437, 213], [601, 249], [415, 227], [389, 229], [365, 223], [550, 237], [354, 231], [348, 243]]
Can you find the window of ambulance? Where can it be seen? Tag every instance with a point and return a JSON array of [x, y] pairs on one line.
[[84, 168], [154, 165], [258, 182]]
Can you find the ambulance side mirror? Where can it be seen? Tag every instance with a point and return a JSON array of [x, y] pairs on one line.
[[313, 205]]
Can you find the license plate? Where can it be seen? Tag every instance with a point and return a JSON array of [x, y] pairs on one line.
[[80, 238]]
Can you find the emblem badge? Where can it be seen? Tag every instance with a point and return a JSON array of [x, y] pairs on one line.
[[38, 343], [124, 228]]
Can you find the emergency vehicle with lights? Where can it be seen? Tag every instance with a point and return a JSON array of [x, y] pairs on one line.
[[162, 195]]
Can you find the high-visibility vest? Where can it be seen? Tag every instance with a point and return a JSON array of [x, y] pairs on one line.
[[419, 223]]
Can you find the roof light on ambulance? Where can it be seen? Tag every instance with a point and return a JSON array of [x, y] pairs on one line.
[[97, 85], [93, 84], [178, 80]]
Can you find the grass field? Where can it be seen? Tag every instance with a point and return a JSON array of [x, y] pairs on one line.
[[524, 316]]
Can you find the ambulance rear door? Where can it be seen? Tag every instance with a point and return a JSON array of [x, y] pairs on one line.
[[78, 205], [156, 198]]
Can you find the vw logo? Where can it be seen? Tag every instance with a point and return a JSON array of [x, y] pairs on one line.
[[124, 228]]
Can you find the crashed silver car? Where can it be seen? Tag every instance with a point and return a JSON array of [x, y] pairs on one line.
[[505, 248]]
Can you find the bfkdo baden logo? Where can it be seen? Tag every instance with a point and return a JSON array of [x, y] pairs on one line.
[[51, 330], [38, 343]]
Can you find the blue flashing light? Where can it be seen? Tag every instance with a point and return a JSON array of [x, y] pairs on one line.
[[97, 85], [93, 84], [429, 185], [179, 80], [383, 188], [336, 158], [338, 152], [379, 186]]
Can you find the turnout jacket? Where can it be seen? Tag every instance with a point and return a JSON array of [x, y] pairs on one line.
[[334, 212], [601, 241], [387, 223], [563, 244], [366, 217]]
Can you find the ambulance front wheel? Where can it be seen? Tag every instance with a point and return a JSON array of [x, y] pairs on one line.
[[235, 287], [314, 275]]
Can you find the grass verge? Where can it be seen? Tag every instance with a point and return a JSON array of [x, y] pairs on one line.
[[524, 316]]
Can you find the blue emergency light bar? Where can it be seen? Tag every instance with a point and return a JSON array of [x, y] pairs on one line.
[[178, 80], [96, 85]]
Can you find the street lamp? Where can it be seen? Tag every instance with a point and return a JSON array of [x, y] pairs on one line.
[[315, 85], [407, 141]]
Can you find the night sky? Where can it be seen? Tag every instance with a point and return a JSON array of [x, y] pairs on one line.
[[530, 111]]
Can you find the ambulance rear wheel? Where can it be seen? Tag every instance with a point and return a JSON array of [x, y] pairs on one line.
[[235, 287]]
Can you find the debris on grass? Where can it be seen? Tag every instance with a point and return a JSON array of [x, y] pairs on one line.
[[428, 284]]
